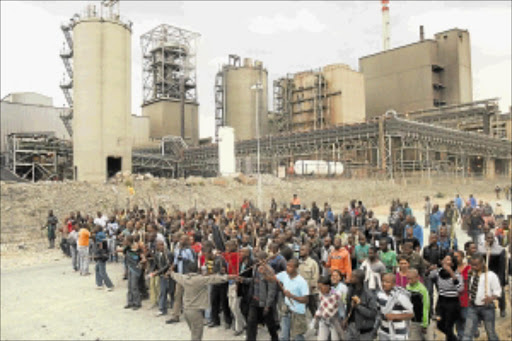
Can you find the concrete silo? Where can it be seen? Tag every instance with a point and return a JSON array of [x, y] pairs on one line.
[[237, 99], [101, 93]]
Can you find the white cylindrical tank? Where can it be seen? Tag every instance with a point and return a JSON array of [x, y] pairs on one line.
[[317, 167], [102, 98], [226, 151], [240, 100]]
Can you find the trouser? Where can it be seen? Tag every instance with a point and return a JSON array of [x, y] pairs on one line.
[[219, 301], [448, 310], [330, 328], [474, 236], [143, 288], [171, 291], [286, 325], [178, 301], [208, 312], [51, 241], [502, 303], [461, 322], [133, 288], [74, 257], [194, 319], [234, 305], [101, 275], [353, 333], [111, 243], [429, 284], [83, 254], [255, 315], [64, 246], [416, 332], [312, 304], [154, 290], [92, 249], [427, 220], [164, 291], [477, 314]]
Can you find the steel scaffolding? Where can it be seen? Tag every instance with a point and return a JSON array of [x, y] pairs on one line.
[[169, 64], [39, 156]]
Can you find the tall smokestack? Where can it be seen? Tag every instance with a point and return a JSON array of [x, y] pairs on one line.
[[422, 33], [385, 25]]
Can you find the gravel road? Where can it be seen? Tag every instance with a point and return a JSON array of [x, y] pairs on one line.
[[51, 302]]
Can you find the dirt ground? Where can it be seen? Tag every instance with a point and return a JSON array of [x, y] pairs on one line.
[[42, 298]]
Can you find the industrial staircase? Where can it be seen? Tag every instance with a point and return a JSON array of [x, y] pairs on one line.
[[66, 85]]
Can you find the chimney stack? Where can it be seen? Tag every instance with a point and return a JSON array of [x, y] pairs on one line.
[[422, 33]]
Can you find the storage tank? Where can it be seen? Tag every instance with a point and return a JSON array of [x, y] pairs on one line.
[[102, 96], [240, 99], [317, 167]]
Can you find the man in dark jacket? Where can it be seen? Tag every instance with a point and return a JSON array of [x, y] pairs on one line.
[[219, 297], [362, 310], [163, 260], [262, 295]]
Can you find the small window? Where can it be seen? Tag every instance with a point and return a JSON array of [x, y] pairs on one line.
[[445, 36]]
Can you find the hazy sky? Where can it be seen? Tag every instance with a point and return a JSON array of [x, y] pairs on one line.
[[286, 36]]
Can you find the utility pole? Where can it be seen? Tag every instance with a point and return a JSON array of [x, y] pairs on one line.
[[258, 87], [182, 100]]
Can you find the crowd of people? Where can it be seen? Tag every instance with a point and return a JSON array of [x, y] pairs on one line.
[[345, 276]]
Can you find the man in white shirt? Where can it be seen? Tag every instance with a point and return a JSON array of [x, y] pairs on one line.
[[112, 227], [484, 288], [100, 220]]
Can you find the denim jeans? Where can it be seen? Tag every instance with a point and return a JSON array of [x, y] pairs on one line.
[[101, 275], [461, 322], [164, 291], [208, 312], [286, 324], [83, 254], [474, 316], [74, 257]]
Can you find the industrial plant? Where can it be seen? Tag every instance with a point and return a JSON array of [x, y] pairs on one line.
[[407, 111]]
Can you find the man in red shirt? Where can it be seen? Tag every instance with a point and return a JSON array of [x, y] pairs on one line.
[[232, 257]]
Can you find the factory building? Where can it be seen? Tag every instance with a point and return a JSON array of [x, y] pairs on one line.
[[425, 74], [169, 83], [241, 99], [318, 99], [30, 112]]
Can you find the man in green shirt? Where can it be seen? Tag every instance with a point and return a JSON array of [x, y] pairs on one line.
[[421, 306], [388, 257], [361, 250]]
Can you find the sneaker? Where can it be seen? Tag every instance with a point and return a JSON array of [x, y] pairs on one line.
[[136, 307], [173, 320], [238, 333], [128, 306], [213, 325], [160, 313], [99, 287], [110, 289]]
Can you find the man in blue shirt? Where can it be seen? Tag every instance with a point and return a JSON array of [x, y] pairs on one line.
[[296, 291], [417, 231], [472, 201], [182, 256], [459, 203]]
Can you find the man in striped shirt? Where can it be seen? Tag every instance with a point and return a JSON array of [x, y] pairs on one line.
[[396, 310]]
